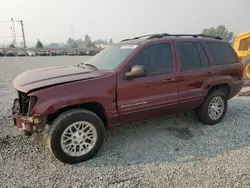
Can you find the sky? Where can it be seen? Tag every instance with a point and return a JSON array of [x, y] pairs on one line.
[[53, 20]]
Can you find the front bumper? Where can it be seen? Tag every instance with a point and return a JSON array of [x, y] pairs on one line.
[[27, 122]]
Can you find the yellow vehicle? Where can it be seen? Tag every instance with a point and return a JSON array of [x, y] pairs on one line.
[[241, 45]]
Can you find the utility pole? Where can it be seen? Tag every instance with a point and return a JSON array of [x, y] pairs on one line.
[[12, 35], [72, 31], [13, 26], [24, 42]]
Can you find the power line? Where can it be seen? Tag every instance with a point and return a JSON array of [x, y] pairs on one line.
[[11, 37], [4, 21], [13, 30]]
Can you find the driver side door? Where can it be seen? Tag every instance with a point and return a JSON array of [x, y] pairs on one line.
[[153, 95]]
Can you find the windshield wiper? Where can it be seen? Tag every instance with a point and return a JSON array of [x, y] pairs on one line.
[[81, 64], [93, 66]]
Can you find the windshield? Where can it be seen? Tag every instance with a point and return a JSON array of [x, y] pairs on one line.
[[111, 56]]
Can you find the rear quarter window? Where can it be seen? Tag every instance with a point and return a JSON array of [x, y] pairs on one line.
[[223, 53]]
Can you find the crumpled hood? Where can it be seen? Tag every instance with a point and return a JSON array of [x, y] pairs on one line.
[[37, 78]]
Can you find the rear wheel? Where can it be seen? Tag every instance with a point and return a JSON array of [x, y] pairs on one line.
[[213, 109], [246, 63], [76, 136]]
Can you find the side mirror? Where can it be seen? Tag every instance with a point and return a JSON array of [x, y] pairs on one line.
[[136, 71]]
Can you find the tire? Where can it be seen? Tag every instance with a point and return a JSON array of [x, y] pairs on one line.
[[27, 133], [64, 121], [203, 111], [245, 62]]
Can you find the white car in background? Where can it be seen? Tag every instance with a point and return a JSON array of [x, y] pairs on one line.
[[31, 53]]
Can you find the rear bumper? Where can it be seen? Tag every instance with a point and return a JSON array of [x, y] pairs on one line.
[[235, 88]]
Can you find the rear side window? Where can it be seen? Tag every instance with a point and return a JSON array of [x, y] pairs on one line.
[[203, 55], [189, 56], [223, 53]]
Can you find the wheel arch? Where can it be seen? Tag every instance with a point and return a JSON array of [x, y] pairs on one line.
[[94, 107], [225, 87]]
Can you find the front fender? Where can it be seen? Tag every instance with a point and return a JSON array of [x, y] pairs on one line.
[[53, 105], [101, 90]]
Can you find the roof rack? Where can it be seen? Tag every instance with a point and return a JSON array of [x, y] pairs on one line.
[[183, 35], [152, 36], [138, 37], [159, 36]]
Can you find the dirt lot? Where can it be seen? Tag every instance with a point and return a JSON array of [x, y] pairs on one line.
[[168, 152]]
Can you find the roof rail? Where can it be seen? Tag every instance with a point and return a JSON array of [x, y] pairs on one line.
[[152, 36], [138, 37], [159, 36], [125, 40], [183, 35]]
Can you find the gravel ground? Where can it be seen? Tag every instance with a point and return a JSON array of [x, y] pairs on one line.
[[176, 151]]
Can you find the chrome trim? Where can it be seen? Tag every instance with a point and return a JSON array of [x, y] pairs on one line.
[[134, 104]]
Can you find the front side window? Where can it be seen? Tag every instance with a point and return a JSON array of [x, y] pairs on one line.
[[156, 59], [189, 56]]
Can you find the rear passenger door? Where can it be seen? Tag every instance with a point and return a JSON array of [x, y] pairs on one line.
[[194, 69]]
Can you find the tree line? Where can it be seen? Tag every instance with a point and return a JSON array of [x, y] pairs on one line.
[[219, 31], [79, 43]]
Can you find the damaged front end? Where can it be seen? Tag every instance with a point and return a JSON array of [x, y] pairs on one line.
[[23, 117]]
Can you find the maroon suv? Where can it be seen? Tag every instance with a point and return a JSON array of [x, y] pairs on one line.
[[134, 80]]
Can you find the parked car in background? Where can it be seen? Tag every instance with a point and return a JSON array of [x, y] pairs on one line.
[[52, 53], [59, 53], [87, 52], [76, 52], [10, 53], [91, 52], [135, 80], [42, 53], [2, 53], [71, 53], [31, 53], [82, 53], [21, 53]]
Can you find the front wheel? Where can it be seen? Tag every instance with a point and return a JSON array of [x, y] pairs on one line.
[[213, 109], [76, 136]]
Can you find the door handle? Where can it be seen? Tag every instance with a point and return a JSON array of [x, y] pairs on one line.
[[180, 79], [209, 73], [168, 80]]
